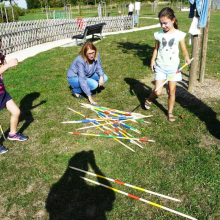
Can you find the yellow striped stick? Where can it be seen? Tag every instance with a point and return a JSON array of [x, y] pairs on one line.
[[139, 198], [125, 184], [132, 141], [110, 136], [103, 130], [2, 131]]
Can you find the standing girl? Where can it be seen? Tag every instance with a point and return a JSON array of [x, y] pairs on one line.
[[165, 60]]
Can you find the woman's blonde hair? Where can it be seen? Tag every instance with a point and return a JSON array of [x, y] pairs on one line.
[[85, 48]]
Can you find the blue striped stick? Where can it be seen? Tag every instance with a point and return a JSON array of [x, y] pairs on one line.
[[102, 129]]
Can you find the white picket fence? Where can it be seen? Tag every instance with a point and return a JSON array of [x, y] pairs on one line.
[[16, 36]]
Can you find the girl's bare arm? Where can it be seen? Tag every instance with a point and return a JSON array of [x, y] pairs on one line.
[[153, 63], [185, 52], [11, 63]]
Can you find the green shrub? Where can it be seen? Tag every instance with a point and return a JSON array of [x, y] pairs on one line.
[[33, 11]]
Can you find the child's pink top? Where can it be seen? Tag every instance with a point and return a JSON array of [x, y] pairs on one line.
[[2, 86]]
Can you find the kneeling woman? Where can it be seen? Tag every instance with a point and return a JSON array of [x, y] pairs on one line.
[[86, 73]]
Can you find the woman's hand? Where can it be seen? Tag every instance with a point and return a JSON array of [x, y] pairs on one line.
[[92, 102], [101, 81]]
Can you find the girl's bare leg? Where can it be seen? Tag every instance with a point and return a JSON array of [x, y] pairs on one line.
[[15, 113], [154, 94], [171, 99]]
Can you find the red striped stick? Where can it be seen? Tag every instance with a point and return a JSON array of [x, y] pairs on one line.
[[110, 136], [132, 141], [102, 129], [125, 184], [139, 198]]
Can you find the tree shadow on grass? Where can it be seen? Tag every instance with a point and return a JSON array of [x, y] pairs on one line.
[[26, 105], [71, 198], [199, 109], [184, 98], [143, 51]]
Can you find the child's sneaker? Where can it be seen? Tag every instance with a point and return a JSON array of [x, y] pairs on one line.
[[17, 137], [3, 149]]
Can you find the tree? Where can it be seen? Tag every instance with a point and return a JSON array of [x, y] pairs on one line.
[[33, 4], [10, 1], [42, 3], [56, 3]]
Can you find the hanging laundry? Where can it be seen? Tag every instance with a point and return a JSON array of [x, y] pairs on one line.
[[202, 9], [194, 29]]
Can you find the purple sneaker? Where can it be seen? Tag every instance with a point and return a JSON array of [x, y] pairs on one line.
[[17, 137], [3, 149]]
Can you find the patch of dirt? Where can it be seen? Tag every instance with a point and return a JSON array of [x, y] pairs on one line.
[[207, 142], [40, 214], [202, 95], [206, 90]]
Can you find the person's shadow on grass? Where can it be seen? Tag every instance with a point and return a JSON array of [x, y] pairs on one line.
[[26, 105], [71, 198], [142, 91], [143, 51]]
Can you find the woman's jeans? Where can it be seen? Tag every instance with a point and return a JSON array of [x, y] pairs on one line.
[[93, 82]]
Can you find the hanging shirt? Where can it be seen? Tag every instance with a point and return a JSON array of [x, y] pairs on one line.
[[168, 51], [202, 9]]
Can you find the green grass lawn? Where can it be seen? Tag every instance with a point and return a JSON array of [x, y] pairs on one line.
[[183, 162]]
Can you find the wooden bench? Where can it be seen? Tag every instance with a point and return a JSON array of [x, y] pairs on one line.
[[90, 30]]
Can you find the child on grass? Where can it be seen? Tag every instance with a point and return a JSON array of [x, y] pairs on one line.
[[7, 102], [165, 60]]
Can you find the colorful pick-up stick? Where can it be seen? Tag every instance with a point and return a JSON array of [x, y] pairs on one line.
[[99, 119], [110, 136], [110, 124], [107, 109], [99, 125], [103, 130], [2, 131], [125, 184], [139, 198], [122, 124]]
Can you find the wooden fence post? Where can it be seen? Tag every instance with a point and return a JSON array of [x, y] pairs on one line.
[[194, 64]]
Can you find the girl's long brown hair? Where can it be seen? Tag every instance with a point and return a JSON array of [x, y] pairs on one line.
[[169, 13]]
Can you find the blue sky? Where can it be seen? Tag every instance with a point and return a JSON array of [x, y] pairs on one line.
[[21, 3]]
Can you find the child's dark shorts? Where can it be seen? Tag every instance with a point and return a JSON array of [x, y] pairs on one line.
[[4, 97]]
